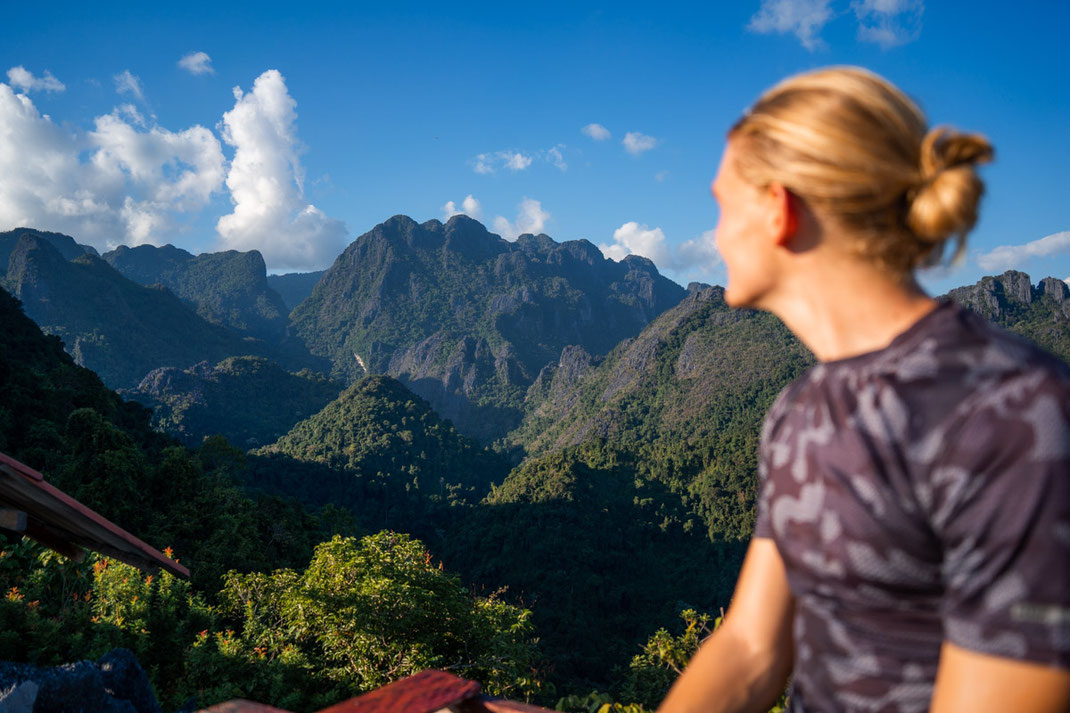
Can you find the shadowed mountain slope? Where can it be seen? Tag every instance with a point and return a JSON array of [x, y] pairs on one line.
[[466, 319], [294, 287], [249, 400], [228, 288], [117, 328]]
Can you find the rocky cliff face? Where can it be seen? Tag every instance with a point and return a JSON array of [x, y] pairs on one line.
[[468, 320], [1040, 312]]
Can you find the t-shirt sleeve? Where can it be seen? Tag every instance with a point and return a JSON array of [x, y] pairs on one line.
[[1001, 509]]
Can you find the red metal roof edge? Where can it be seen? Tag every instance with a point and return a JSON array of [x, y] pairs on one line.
[[38, 481], [428, 691], [26, 470]]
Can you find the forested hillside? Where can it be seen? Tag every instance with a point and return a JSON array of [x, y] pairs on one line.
[[378, 429], [684, 399]]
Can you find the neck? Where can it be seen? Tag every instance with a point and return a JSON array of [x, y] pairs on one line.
[[847, 309]]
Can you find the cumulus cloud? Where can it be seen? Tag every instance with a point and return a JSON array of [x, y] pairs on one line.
[[266, 183], [888, 23], [693, 259], [596, 132], [635, 239], [22, 78], [197, 63], [698, 258], [469, 206], [802, 18], [531, 218], [636, 143], [127, 83], [1006, 257], [122, 182]]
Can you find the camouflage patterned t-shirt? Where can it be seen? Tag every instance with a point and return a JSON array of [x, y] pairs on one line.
[[918, 494]]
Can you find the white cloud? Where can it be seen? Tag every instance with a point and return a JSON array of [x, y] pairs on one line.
[[122, 182], [660, 176], [888, 23], [596, 132], [197, 63], [491, 162], [265, 182], [803, 18], [518, 162], [1007, 257], [554, 156], [698, 257], [693, 259], [531, 218], [22, 78], [634, 239], [636, 143], [127, 83], [487, 163], [469, 206], [180, 170]]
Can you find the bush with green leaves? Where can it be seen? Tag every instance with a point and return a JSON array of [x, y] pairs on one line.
[[370, 611]]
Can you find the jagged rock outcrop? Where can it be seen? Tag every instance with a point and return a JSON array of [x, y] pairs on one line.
[[468, 320], [1038, 312]]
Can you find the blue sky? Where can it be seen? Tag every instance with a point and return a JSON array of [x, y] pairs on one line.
[[346, 115]]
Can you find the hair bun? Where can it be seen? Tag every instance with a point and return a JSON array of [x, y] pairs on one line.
[[944, 203]]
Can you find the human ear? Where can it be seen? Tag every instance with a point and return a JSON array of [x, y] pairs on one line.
[[783, 214]]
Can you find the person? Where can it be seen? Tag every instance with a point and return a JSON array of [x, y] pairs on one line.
[[912, 545]]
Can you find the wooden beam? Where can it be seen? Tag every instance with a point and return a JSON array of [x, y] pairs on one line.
[[13, 520], [54, 541]]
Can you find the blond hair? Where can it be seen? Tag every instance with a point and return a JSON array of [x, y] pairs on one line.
[[856, 149]]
